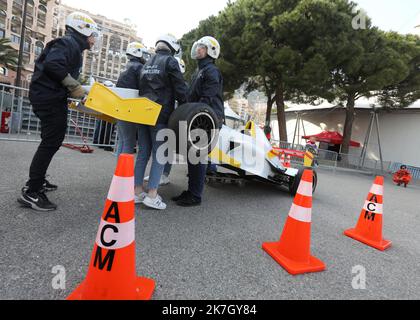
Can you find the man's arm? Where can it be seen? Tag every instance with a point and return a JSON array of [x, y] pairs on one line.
[[56, 62], [177, 81]]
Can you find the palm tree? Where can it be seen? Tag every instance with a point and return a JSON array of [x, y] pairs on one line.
[[8, 55]]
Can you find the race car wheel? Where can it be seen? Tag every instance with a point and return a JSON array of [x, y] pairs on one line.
[[294, 184], [191, 119]]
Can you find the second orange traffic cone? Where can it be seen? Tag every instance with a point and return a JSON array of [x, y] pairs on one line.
[[369, 226], [112, 269], [292, 252]]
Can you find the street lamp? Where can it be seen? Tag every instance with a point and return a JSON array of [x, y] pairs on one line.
[[21, 47]]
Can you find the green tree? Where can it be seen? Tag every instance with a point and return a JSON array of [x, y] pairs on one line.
[[8, 55], [407, 91], [362, 62]]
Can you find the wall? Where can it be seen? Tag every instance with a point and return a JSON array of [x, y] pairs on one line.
[[399, 132]]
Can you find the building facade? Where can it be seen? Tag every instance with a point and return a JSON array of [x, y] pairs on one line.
[[111, 60], [39, 23], [45, 20]]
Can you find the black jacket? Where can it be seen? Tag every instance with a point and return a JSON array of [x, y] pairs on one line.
[[207, 86], [60, 57], [161, 81], [130, 77]]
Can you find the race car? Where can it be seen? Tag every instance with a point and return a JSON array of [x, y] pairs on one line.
[[246, 153]]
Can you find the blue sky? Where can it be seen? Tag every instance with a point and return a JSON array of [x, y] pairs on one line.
[[396, 15], [178, 17]]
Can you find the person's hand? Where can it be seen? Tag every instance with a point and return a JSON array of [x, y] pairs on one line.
[[75, 89], [78, 93]]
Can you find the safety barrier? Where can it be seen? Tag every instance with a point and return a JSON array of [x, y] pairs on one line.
[[19, 123]]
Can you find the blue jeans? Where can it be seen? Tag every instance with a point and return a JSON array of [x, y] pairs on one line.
[[127, 132], [148, 145]]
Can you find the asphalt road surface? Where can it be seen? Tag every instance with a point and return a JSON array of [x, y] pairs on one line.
[[208, 252]]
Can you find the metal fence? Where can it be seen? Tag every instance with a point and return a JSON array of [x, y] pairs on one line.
[[19, 123], [353, 162]]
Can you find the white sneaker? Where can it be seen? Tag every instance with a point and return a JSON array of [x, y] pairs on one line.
[[164, 180], [140, 198], [155, 203]]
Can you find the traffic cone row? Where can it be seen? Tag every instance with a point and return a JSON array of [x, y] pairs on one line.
[[292, 251], [112, 270]]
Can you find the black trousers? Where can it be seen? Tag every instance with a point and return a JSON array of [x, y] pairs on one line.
[[53, 130]]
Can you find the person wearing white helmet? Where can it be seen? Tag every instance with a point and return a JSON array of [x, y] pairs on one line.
[[161, 80], [53, 81], [130, 79], [206, 87]]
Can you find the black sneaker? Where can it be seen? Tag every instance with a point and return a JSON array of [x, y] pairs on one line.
[[47, 186], [183, 195], [36, 200], [189, 201]]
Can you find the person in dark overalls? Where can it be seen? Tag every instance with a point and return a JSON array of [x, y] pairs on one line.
[[161, 81], [53, 82], [206, 87]]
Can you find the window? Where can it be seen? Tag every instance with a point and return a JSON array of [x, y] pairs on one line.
[[2, 33], [27, 45], [39, 46], [15, 24], [14, 39], [3, 16], [42, 16], [4, 71], [3, 5], [17, 7], [30, 8]]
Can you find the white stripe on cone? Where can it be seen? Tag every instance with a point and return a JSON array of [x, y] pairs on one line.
[[115, 235], [373, 207], [377, 189], [300, 213], [305, 188], [122, 189]]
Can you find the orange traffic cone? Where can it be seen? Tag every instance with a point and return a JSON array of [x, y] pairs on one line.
[[369, 227], [285, 161], [112, 269], [292, 252]]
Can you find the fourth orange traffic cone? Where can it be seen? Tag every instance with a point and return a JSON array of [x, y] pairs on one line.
[[112, 269], [369, 226], [292, 252]]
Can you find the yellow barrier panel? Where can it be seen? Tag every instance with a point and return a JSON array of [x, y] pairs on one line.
[[138, 110]]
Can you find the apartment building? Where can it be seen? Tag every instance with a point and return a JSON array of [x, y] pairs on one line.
[[111, 60], [45, 20], [38, 32]]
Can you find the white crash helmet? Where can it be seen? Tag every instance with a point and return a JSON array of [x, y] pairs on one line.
[[181, 64], [171, 41], [136, 49], [212, 45], [83, 24]]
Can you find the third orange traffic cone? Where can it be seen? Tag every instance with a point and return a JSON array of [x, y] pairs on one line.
[[292, 252], [369, 227], [112, 269]]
